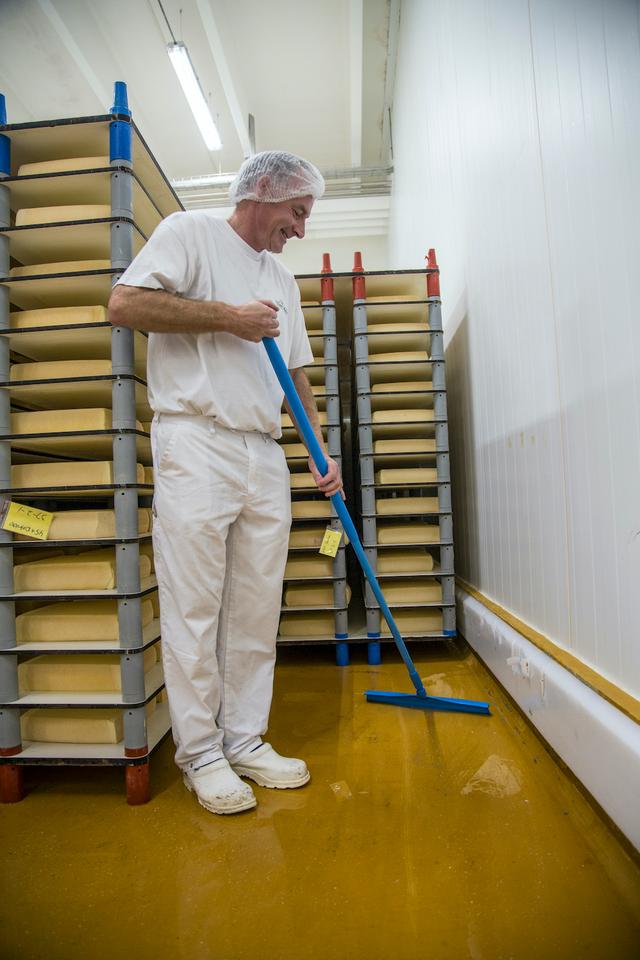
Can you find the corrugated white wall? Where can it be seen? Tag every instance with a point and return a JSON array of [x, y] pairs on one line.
[[516, 133]]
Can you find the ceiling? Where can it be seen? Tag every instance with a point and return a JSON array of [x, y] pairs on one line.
[[317, 77]]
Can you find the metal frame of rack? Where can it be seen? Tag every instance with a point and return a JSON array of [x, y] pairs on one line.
[[134, 186], [430, 395], [320, 318]]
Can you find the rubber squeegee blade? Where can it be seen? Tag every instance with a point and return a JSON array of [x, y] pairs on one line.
[[427, 703]]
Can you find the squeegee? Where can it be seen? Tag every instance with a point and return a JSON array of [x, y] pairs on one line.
[[420, 699]]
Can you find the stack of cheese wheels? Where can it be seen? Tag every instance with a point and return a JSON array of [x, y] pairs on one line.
[[76, 595], [399, 478], [315, 595]]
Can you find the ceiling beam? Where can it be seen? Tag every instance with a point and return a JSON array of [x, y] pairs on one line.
[[238, 114], [356, 36], [103, 95]]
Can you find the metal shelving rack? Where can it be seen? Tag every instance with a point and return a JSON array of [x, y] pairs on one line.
[[124, 175], [403, 450], [319, 310]]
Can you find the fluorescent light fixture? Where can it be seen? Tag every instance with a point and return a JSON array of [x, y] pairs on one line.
[[206, 180], [181, 62]]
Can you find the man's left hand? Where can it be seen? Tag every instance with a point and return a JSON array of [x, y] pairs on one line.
[[331, 482]]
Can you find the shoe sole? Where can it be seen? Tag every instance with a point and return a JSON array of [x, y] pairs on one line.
[[263, 781], [238, 808]]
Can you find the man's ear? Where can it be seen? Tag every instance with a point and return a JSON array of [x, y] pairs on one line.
[[263, 184]]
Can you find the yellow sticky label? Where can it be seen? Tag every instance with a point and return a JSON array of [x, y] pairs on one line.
[[27, 520], [330, 542]]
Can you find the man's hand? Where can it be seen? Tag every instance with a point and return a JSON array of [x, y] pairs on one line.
[[331, 482], [255, 320]]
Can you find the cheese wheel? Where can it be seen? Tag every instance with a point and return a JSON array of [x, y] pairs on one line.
[[59, 369], [65, 266], [404, 386], [303, 509], [295, 450], [408, 533], [62, 421], [311, 595], [399, 327], [412, 591], [76, 672], [155, 603], [402, 416], [401, 506], [311, 624], [411, 445], [61, 166], [404, 356], [308, 567], [146, 550], [394, 298], [404, 561], [286, 420], [408, 475], [66, 474], [72, 726], [56, 317], [81, 211], [75, 620], [302, 481], [90, 524], [91, 570], [414, 621], [306, 536]]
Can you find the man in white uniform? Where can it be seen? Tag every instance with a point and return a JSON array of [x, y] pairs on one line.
[[207, 291]]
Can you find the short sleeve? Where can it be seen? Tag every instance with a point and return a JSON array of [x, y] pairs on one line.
[[163, 263], [301, 353]]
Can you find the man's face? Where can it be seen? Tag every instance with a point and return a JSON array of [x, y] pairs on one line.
[[280, 222]]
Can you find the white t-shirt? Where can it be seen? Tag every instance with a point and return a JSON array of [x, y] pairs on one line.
[[201, 257]]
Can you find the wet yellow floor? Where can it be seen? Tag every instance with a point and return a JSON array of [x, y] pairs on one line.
[[421, 835]]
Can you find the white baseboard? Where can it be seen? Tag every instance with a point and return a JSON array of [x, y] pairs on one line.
[[599, 744]]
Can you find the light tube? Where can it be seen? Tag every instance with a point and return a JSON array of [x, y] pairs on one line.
[[206, 180], [181, 62]]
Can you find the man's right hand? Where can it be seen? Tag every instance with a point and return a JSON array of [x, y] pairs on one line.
[[255, 320]]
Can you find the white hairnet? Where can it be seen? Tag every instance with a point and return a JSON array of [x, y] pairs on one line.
[[288, 176]]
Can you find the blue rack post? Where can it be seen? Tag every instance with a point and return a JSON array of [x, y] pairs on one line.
[[124, 445]]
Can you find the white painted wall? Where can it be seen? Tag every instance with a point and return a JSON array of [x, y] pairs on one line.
[[516, 134], [338, 226], [305, 256]]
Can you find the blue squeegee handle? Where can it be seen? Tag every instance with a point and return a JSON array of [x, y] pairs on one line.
[[314, 448]]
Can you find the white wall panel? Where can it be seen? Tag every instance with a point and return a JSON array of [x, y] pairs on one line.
[[517, 155]]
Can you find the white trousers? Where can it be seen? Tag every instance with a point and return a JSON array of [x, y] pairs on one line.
[[222, 513]]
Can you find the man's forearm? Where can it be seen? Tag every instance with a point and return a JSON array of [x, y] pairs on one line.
[[308, 401], [156, 311]]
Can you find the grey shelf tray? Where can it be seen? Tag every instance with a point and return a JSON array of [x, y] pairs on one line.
[[82, 594], [150, 635], [95, 754]]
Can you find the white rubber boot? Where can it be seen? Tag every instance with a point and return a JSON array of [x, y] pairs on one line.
[[219, 789], [268, 769]]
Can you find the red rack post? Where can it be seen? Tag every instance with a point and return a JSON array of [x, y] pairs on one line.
[[359, 290], [11, 786], [433, 279], [326, 283]]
